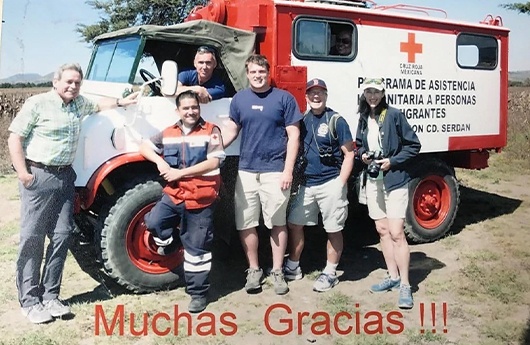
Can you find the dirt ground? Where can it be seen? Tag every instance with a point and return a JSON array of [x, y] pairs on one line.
[[450, 307]]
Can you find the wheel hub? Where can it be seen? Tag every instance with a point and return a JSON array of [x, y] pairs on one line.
[[143, 251], [431, 201]]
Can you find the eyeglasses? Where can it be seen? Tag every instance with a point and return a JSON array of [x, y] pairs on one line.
[[205, 49], [316, 91], [344, 40]]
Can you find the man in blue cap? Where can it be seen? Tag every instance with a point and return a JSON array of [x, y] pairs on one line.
[[327, 161]]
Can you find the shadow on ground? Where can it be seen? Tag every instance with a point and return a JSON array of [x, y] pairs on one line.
[[525, 337], [98, 294], [477, 206], [86, 255], [359, 258]]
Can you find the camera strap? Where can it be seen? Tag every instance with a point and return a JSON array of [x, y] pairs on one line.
[[313, 131], [381, 133], [332, 127], [382, 118]]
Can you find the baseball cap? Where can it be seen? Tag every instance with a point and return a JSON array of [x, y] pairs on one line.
[[375, 83], [315, 83]]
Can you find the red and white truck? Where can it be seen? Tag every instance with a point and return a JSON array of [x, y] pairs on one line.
[[449, 77]]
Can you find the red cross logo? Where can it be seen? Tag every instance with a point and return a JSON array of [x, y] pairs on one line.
[[411, 48], [215, 139]]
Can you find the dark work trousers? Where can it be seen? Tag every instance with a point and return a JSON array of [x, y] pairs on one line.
[[46, 209], [196, 235]]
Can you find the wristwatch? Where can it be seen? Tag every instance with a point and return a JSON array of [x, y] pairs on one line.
[[118, 103]]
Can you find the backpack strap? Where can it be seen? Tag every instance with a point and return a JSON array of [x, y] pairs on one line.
[[332, 125]]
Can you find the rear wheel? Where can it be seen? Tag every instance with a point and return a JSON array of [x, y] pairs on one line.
[[86, 251], [433, 202], [128, 251]]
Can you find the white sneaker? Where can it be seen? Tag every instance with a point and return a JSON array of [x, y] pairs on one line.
[[56, 308], [162, 243], [325, 282], [36, 314]]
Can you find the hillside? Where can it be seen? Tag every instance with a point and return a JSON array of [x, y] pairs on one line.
[[519, 76], [27, 78]]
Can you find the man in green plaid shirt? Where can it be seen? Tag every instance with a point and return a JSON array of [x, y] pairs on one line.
[[42, 143]]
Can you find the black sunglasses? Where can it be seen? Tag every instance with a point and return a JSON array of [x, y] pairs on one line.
[[343, 40]]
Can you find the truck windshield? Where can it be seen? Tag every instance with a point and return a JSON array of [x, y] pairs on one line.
[[113, 60]]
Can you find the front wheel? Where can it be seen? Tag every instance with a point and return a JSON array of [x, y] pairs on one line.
[[433, 202], [127, 248]]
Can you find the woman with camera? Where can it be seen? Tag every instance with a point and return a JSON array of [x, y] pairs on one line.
[[387, 144]]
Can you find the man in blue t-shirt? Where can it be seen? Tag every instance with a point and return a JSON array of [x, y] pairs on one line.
[[328, 151], [268, 119], [202, 80]]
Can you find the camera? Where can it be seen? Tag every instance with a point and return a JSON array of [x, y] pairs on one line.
[[327, 157], [374, 168], [300, 165]]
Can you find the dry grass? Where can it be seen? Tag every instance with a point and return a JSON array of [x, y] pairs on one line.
[[485, 287], [495, 278], [519, 125], [11, 100]]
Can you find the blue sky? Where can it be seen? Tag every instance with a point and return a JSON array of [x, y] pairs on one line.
[[38, 36]]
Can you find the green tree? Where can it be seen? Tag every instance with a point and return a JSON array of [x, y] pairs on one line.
[[120, 14], [518, 6]]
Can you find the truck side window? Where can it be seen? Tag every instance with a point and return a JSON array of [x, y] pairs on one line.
[[320, 39], [477, 51], [312, 38]]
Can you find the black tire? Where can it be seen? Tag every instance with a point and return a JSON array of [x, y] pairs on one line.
[[433, 202], [224, 216], [127, 249], [87, 254], [83, 247]]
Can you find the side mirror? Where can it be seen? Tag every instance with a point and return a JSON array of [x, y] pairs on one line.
[[169, 78]]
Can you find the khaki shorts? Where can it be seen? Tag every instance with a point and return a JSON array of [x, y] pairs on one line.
[[329, 198], [256, 193], [386, 205]]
